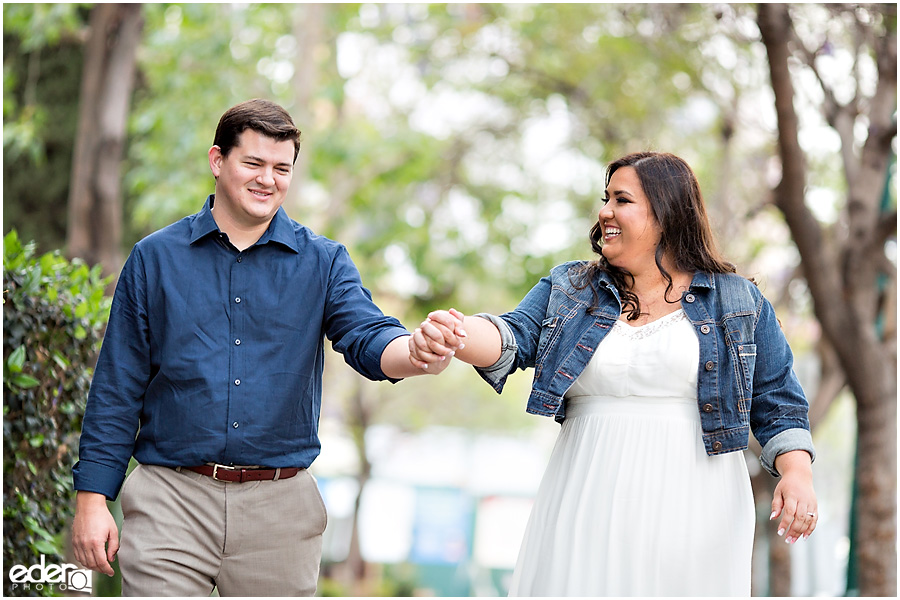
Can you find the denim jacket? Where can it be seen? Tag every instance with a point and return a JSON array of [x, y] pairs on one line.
[[745, 375]]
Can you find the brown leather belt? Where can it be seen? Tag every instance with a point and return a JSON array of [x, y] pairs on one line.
[[236, 475]]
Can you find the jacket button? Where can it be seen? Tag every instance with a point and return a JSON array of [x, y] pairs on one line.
[[707, 408], [717, 446], [689, 298], [710, 365], [704, 329]]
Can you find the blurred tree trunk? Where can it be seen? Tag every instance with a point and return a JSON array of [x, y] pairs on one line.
[[358, 416], [309, 31], [843, 276], [95, 199]]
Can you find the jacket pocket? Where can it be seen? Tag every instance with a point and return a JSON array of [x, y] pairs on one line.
[[548, 333], [746, 354]]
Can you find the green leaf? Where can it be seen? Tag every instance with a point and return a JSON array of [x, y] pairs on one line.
[[61, 360], [43, 547], [16, 360], [37, 441], [25, 381]]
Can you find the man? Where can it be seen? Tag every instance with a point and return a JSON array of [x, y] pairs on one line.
[[210, 375]]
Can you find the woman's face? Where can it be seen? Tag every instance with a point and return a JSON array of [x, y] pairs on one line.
[[630, 231]]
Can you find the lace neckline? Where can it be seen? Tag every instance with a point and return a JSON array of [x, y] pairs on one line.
[[648, 329]]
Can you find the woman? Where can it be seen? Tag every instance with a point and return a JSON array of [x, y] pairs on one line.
[[658, 360]]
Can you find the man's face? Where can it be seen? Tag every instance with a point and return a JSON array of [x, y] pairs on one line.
[[252, 181]]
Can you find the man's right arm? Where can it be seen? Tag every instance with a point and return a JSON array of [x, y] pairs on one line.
[[95, 537], [111, 419], [120, 381]]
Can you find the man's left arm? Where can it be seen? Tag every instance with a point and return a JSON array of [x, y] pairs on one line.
[[375, 345]]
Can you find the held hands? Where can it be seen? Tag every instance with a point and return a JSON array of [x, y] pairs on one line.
[[436, 340], [795, 500]]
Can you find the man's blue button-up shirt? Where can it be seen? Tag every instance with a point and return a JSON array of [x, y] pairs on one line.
[[216, 355]]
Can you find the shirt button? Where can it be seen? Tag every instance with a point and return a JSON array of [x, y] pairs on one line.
[[237, 342], [237, 382], [689, 298], [235, 425], [238, 300], [240, 258], [704, 329], [710, 365], [707, 408], [717, 446]]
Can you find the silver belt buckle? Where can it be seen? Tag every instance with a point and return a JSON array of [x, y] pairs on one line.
[[216, 468]]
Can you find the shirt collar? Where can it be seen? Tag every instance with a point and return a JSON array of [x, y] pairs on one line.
[[280, 229]]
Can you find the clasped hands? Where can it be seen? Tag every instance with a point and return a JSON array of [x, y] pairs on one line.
[[435, 342]]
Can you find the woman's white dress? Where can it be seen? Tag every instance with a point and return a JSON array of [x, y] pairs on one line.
[[630, 504]]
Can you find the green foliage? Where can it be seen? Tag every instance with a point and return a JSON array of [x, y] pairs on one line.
[[42, 64], [53, 315]]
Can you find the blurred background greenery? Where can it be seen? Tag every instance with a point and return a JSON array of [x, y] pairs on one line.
[[458, 151]]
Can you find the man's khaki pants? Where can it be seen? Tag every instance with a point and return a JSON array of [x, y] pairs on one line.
[[185, 533]]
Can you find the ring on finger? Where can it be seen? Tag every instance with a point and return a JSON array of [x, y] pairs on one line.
[[811, 514]]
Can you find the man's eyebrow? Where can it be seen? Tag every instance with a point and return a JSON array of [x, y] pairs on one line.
[[260, 160]]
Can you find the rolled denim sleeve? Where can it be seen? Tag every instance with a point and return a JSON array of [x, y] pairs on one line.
[[786, 441], [497, 373]]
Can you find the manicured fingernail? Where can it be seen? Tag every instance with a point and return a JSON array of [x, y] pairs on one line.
[[781, 531], [463, 334], [461, 346], [453, 353], [790, 539], [772, 516], [805, 536]]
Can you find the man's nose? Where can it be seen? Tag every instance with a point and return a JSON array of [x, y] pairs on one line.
[[266, 178]]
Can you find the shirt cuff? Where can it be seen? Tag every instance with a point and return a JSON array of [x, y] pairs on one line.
[[94, 477], [786, 441], [378, 346], [497, 373]]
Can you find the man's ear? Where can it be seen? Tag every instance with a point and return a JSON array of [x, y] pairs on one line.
[[215, 160]]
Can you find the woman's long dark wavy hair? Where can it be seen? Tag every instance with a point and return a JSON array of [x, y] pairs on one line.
[[677, 205]]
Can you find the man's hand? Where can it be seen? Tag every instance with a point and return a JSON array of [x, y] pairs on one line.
[[437, 339], [95, 536]]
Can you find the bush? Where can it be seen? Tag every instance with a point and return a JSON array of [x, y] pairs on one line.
[[54, 312]]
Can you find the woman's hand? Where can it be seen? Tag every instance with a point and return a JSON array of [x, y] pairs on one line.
[[795, 499]]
